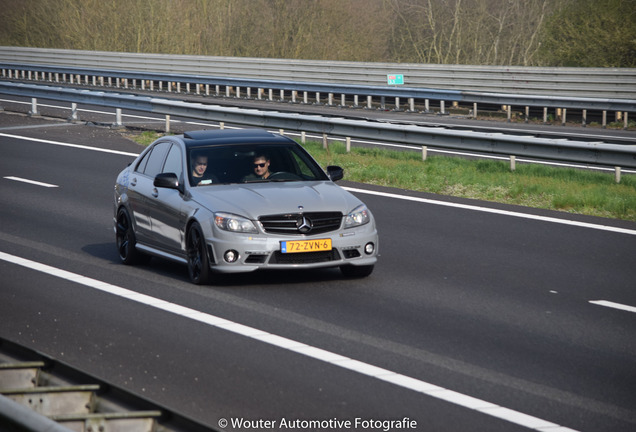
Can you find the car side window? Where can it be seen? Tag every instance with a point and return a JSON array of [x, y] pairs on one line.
[[141, 166], [156, 158], [174, 162]]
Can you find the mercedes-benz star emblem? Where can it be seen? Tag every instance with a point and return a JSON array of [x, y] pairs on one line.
[[304, 224]]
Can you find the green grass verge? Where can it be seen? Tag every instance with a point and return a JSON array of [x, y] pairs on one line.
[[563, 189], [555, 188]]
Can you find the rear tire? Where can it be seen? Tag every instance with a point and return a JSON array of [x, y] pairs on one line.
[[352, 271], [198, 261], [126, 240]]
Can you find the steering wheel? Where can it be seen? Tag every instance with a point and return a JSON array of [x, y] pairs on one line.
[[283, 175]]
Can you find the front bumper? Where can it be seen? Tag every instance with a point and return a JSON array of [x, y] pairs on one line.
[[349, 247]]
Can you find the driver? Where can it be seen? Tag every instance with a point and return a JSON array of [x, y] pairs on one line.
[[261, 168]]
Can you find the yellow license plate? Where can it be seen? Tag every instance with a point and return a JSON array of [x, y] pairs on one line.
[[297, 246]]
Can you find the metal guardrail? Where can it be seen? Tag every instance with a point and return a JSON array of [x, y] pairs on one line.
[[42, 394], [603, 89], [497, 143], [605, 83]]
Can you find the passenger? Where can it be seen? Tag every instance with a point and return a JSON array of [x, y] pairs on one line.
[[261, 169], [199, 166]]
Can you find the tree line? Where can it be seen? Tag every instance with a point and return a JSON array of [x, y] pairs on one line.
[[578, 33]]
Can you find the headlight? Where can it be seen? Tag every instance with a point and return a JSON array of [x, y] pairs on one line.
[[359, 216], [234, 223]]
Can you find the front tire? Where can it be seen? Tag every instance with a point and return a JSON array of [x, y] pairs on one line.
[[198, 261], [125, 239]]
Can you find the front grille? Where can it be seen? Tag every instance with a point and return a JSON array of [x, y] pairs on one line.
[[297, 223], [304, 258]]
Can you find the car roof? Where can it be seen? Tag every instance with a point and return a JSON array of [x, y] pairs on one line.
[[211, 137]]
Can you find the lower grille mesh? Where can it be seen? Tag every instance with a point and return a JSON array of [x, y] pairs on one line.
[[304, 258]]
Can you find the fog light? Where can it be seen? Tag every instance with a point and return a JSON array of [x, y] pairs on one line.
[[230, 256], [369, 248]]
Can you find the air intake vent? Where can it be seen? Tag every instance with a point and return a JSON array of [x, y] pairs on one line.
[[302, 223]]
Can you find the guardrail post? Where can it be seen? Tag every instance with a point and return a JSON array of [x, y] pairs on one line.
[[382, 103], [564, 117], [545, 115], [427, 105], [270, 92], [34, 107], [355, 101], [625, 122], [509, 113], [305, 98], [604, 125], [442, 107], [325, 143], [318, 98], [238, 92], [348, 144], [397, 104], [294, 95], [368, 102], [527, 114], [303, 137], [343, 100], [167, 123], [513, 163], [584, 118], [424, 152], [227, 91], [207, 89], [118, 122], [73, 117], [330, 99], [617, 174], [282, 95]]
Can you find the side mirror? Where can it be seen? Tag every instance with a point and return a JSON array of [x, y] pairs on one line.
[[335, 173], [168, 181]]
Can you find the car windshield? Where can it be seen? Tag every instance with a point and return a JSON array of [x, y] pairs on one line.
[[247, 163]]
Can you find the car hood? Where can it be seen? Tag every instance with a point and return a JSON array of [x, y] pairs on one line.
[[255, 199]]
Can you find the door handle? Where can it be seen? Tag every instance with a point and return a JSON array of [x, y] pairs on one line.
[[133, 182], [155, 193]]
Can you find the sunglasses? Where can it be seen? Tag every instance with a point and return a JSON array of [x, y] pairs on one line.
[[261, 165]]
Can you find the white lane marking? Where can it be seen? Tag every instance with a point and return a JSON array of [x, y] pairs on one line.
[[613, 305], [382, 374], [385, 194], [23, 180], [496, 211], [78, 146]]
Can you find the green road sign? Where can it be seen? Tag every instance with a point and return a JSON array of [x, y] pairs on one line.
[[395, 79]]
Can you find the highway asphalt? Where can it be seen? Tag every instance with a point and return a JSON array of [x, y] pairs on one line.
[[478, 317]]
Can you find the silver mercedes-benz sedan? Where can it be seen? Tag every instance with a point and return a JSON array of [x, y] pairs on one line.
[[237, 201]]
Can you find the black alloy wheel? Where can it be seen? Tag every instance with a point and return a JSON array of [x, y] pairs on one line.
[[125, 238], [198, 262]]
